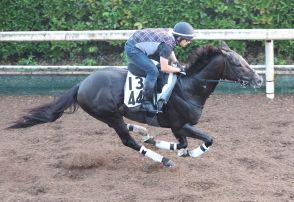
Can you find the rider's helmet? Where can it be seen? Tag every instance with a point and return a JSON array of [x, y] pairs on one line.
[[183, 30]]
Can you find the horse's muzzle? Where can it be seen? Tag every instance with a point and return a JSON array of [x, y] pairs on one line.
[[256, 81]]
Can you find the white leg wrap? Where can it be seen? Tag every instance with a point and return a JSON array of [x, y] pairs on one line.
[[147, 137], [183, 152], [137, 129], [166, 145], [151, 154], [198, 151]]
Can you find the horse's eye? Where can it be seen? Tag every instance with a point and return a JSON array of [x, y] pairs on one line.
[[234, 59]]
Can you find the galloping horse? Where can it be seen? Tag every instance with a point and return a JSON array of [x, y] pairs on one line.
[[101, 95]]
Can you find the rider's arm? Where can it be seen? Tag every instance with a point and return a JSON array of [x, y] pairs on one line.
[[173, 57], [165, 67], [166, 53]]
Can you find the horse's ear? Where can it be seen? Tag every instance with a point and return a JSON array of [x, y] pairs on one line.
[[224, 47]]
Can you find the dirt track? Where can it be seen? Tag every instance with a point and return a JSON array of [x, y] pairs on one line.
[[78, 158]]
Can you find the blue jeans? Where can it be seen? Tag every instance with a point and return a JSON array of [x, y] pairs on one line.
[[141, 60]]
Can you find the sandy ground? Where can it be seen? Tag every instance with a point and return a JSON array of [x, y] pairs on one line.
[[78, 158]]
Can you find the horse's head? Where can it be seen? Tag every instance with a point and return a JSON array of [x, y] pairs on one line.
[[237, 69]]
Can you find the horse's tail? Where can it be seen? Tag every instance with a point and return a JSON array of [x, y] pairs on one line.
[[49, 112]]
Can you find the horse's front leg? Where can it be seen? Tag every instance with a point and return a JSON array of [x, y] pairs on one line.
[[190, 131], [183, 143]]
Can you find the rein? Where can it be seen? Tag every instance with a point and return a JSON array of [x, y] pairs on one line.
[[243, 83], [218, 80]]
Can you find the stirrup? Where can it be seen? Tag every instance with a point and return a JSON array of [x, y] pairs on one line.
[[149, 108], [160, 105]]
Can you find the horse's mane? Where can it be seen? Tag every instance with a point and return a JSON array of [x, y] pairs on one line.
[[200, 57]]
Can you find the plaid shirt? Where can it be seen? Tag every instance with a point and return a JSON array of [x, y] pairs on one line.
[[154, 35]]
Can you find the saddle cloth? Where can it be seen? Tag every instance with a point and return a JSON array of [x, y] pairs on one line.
[[134, 87]]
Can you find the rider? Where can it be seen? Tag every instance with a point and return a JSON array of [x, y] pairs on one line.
[[157, 44]]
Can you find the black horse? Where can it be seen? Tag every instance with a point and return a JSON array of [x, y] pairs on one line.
[[101, 95]]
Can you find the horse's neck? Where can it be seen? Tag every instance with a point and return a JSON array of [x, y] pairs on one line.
[[213, 70], [200, 85]]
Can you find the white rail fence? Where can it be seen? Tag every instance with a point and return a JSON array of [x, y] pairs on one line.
[[267, 35], [83, 70]]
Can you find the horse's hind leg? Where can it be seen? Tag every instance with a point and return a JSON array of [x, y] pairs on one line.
[[157, 143], [121, 129], [142, 131]]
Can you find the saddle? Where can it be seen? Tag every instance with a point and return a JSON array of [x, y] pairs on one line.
[[134, 87]]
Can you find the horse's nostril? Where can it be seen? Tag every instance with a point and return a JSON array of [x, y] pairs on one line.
[[259, 80]]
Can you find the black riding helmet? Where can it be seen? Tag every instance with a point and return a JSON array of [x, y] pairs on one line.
[[183, 30]]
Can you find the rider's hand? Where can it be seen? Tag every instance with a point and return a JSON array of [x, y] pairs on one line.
[[182, 73], [182, 68]]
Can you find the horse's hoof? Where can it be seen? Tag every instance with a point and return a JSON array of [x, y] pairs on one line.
[[149, 139], [168, 163], [183, 152]]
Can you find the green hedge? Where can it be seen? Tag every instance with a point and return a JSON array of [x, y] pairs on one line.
[[31, 15]]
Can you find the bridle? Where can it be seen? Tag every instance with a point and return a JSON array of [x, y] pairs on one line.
[[187, 97], [243, 83]]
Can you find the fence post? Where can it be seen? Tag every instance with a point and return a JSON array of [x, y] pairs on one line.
[[269, 73]]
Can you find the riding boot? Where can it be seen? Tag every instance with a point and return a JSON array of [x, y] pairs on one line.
[[147, 103], [148, 106]]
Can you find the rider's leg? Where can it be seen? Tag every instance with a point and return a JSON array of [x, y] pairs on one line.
[[145, 64], [148, 91]]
